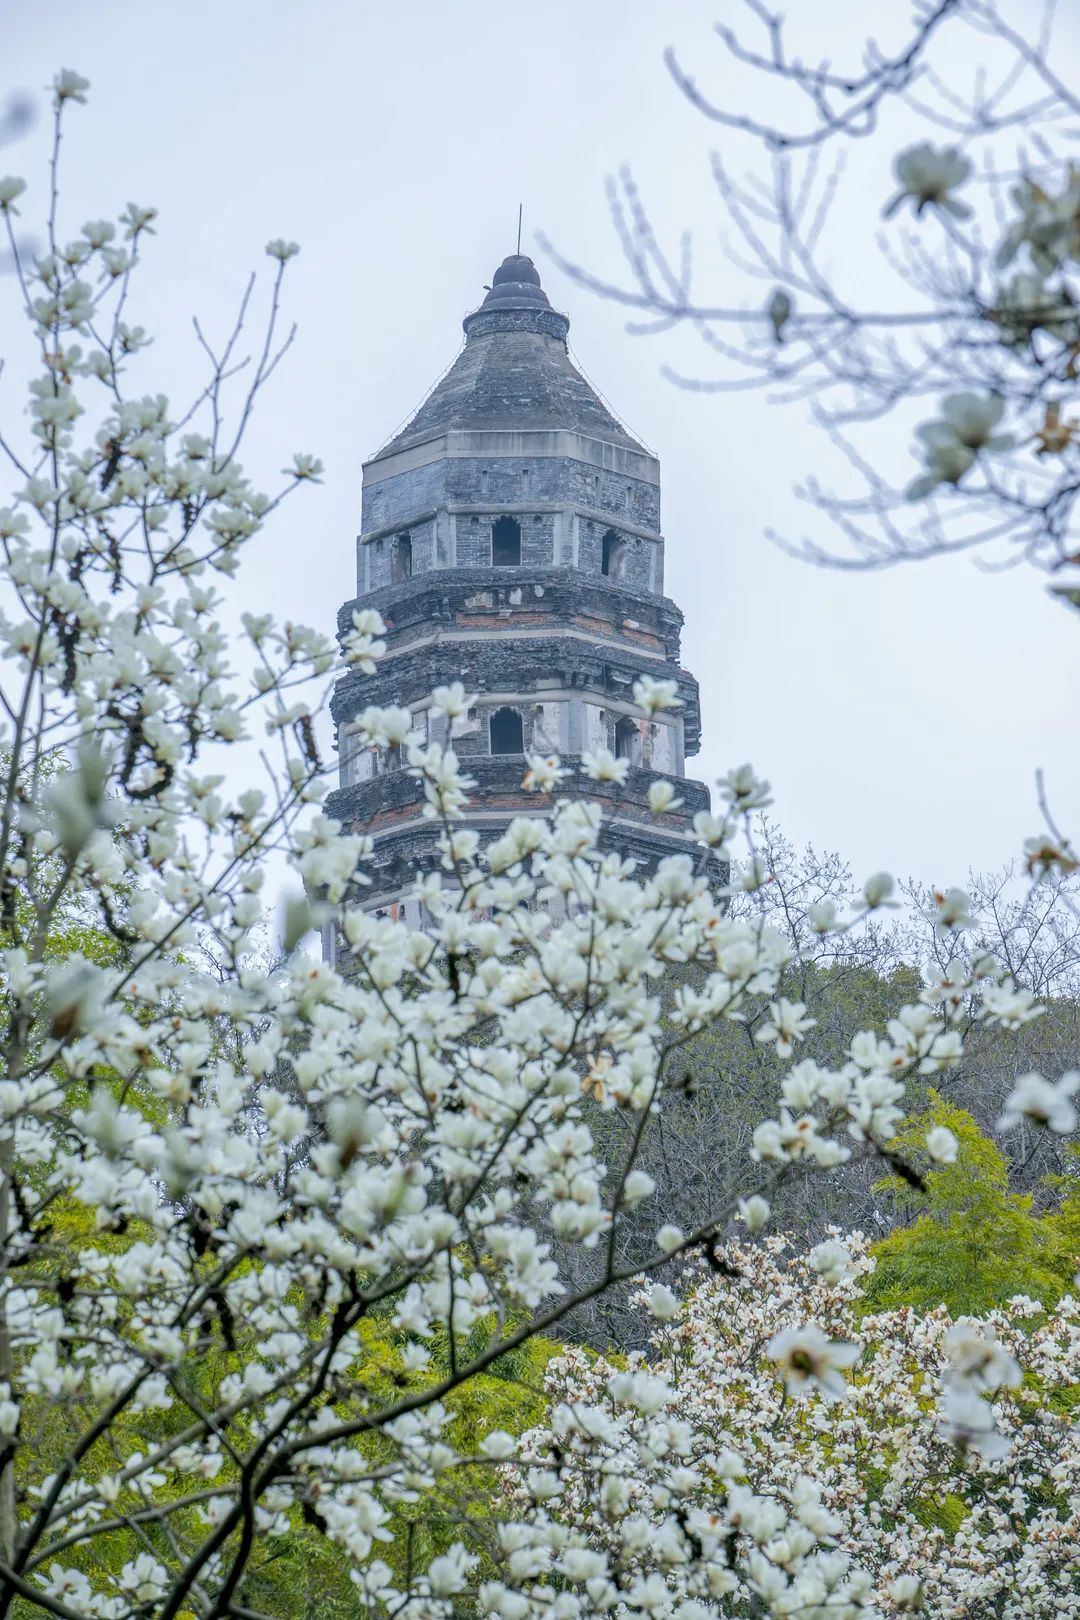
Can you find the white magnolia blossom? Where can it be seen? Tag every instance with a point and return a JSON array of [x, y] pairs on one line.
[[662, 797], [69, 86], [807, 1359], [653, 695], [543, 772], [1042, 1102], [942, 1145], [822, 915], [1045, 856], [1011, 1006], [950, 446], [927, 175], [788, 1022], [878, 890], [755, 1211], [11, 186], [952, 910], [452, 701], [601, 765], [744, 790]]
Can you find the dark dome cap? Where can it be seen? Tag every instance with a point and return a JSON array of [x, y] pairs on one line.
[[516, 302], [516, 267], [516, 282]]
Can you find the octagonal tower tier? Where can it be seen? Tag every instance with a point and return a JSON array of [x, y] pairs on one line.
[[511, 541]]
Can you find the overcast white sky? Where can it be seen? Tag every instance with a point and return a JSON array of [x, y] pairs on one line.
[[901, 716]]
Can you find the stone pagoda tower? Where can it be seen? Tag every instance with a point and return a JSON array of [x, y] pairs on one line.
[[511, 541]]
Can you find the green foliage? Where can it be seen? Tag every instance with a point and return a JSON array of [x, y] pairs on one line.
[[304, 1572], [845, 998], [944, 1513], [42, 911], [973, 1244]]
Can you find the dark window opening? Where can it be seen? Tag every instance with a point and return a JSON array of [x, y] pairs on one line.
[[401, 567], [506, 732], [506, 543], [628, 740], [611, 555]]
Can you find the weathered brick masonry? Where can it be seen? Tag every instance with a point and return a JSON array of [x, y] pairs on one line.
[[511, 540]]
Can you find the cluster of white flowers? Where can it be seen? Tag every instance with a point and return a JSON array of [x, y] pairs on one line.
[[217, 1175], [1035, 319], [845, 1464], [1048, 225], [1047, 228]]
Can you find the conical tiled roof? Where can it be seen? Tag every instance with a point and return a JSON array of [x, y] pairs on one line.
[[514, 371]]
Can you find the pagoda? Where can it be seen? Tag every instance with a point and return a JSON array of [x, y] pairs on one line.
[[511, 541]]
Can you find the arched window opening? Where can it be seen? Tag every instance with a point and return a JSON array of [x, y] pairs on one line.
[[628, 740], [506, 732], [612, 552], [401, 566], [506, 543]]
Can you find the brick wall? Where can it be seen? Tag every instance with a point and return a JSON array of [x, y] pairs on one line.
[[639, 561], [378, 555], [566, 493]]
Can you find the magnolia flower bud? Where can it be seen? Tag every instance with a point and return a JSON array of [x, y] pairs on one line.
[[10, 188], [878, 889], [668, 1238], [755, 1211], [662, 797], [662, 1303], [942, 1145]]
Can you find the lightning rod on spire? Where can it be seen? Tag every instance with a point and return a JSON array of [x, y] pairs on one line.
[[520, 207]]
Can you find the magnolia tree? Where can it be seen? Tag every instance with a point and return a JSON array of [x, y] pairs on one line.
[[940, 1457], [845, 980], [186, 1300], [931, 284], [1033, 932]]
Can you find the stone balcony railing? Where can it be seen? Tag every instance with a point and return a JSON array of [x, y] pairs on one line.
[[395, 799], [482, 598]]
